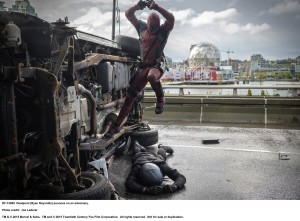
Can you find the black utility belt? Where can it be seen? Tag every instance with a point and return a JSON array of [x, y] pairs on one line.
[[148, 64]]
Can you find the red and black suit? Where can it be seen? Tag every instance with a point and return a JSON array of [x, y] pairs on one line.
[[153, 38]]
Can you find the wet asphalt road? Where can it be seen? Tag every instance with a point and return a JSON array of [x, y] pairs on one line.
[[248, 163]]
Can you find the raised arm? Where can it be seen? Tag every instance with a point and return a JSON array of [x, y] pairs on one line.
[[129, 13], [170, 20]]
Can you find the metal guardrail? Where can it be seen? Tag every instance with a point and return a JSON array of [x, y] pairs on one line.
[[240, 109], [181, 88]]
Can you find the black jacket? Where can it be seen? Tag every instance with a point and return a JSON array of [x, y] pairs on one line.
[[132, 182]]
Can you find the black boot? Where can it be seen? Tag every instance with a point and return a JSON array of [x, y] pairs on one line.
[[112, 131], [137, 148], [160, 99], [160, 106], [116, 127]]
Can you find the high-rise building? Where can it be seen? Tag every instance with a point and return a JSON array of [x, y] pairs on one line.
[[258, 62]]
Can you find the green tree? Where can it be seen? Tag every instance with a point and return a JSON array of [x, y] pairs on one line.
[[273, 75], [249, 92], [287, 75]]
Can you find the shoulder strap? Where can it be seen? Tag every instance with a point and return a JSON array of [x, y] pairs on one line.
[[165, 36], [142, 26]]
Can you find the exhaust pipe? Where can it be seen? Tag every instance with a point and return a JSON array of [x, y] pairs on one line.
[[88, 95]]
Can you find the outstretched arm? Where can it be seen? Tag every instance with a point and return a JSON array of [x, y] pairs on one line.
[[129, 13], [178, 178]]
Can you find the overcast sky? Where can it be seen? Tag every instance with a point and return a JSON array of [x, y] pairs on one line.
[[246, 27]]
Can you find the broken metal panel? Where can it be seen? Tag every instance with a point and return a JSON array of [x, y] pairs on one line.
[[50, 89], [86, 37], [35, 32]]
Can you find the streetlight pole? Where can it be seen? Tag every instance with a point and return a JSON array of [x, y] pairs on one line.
[[113, 20]]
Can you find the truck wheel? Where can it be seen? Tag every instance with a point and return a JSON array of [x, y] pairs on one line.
[[145, 138], [97, 188], [129, 44]]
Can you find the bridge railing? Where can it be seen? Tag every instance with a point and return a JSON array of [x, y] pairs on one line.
[[198, 108], [234, 88]]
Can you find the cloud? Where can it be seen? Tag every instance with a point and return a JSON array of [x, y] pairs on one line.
[[218, 27], [230, 24], [254, 29], [222, 21], [210, 17], [287, 6], [182, 16], [221, 28], [233, 28], [94, 21]]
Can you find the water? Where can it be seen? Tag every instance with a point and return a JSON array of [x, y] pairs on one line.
[[255, 92]]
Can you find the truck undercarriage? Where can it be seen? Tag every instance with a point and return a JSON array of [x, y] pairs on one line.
[[60, 91]]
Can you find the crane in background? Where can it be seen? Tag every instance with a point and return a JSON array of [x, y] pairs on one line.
[[228, 52]]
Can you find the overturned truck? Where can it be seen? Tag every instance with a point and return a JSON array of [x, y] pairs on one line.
[[60, 91]]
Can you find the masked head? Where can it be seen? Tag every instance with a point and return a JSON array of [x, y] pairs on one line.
[[153, 22], [150, 175]]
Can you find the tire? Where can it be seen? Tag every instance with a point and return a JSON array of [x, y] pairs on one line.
[[145, 138], [97, 188], [129, 44]]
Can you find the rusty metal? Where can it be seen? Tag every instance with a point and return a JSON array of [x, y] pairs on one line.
[[94, 59], [72, 174], [102, 107], [50, 128], [8, 119], [62, 55], [15, 167]]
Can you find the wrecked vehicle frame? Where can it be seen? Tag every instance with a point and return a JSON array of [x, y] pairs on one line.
[[61, 89]]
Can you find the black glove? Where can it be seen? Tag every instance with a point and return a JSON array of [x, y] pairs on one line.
[[142, 4], [151, 4], [114, 196], [170, 188], [154, 190]]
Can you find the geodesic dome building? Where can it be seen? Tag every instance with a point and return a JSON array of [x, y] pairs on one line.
[[204, 54]]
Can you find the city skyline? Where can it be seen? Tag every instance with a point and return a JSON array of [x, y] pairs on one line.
[[269, 27]]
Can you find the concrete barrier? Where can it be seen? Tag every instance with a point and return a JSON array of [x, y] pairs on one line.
[[241, 110]]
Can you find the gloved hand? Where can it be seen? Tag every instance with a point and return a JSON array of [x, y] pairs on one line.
[[114, 196], [154, 190], [142, 4], [170, 188], [151, 4]]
